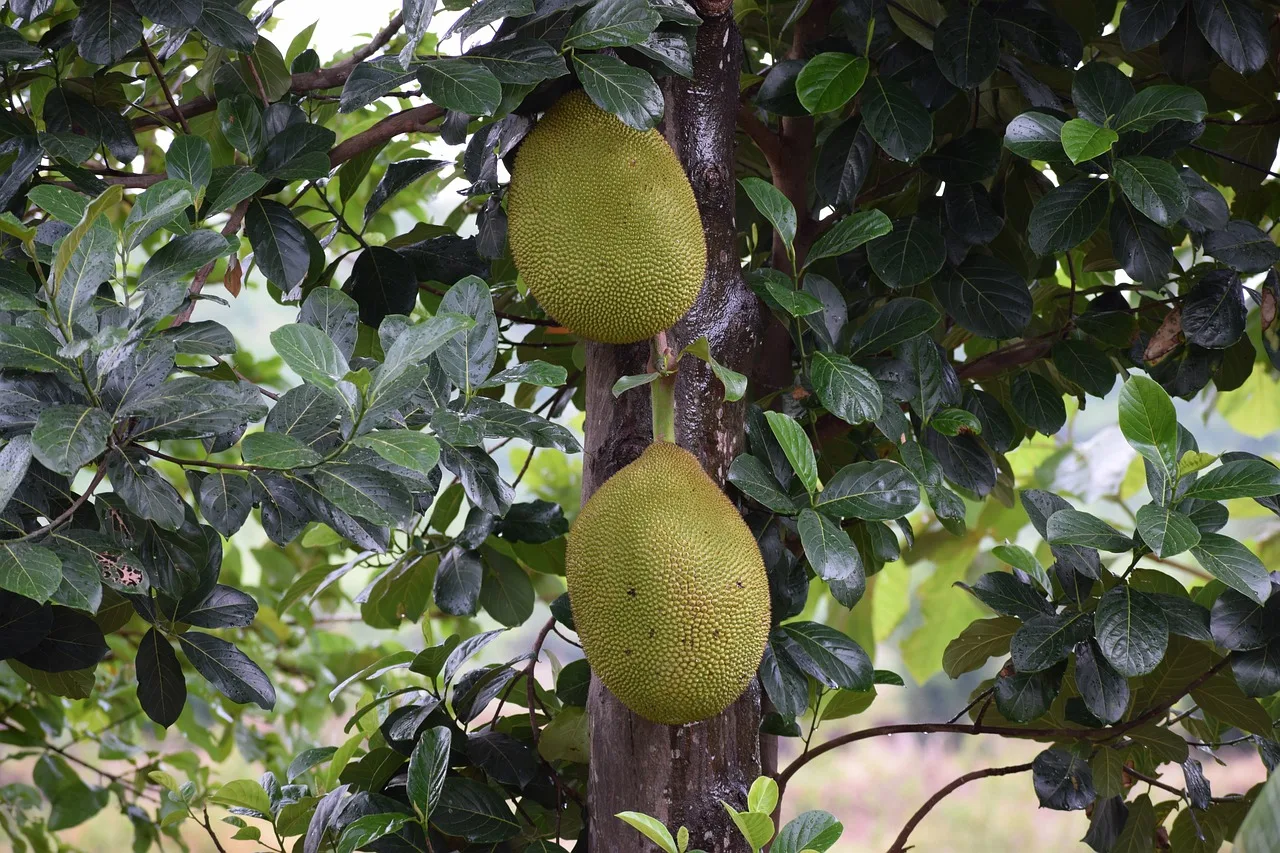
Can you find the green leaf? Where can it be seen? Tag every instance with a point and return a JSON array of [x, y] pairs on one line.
[[909, 254], [158, 205], [240, 118], [795, 444], [106, 30], [1155, 104], [875, 491], [311, 354], [828, 655], [416, 343], [365, 830], [612, 23], [72, 801], [413, 450], [773, 205], [30, 570], [986, 296], [1149, 424], [614, 86], [897, 321], [966, 46], [1085, 364], [245, 794], [1166, 531], [1073, 527], [66, 438], [832, 555], [228, 669], [1153, 187], [626, 383], [185, 254], [475, 811], [1131, 629], [29, 348], [364, 491], [735, 384], [462, 85], [1260, 830], [1223, 699], [1067, 216], [1043, 641], [1083, 140], [896, 119], [763, 796], [1035, 136], [280, 244], [753, 479], [67, 247], [427, 768], [651, 828], [756, 828], [848, 234], [1038, 403], [1235, 565], [1022, 559], [953, 422], [812, 830], [794, 302], [981, 640], [829, 80], [61, 203], [15, 459], [190, 159], [848, 392], [162, 688], [277, 450], [1240, 478]]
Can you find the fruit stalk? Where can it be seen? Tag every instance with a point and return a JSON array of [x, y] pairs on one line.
[[663, 391]]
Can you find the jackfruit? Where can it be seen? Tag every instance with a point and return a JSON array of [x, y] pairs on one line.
[[668, 589], [603, 225]]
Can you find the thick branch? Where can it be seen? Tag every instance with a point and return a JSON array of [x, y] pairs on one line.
[[900, 844], [409, 121], [1007, 358]]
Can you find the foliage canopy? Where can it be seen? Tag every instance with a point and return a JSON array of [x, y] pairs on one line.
[[966, 220]]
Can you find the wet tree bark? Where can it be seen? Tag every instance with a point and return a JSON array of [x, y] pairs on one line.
[[680, 774]]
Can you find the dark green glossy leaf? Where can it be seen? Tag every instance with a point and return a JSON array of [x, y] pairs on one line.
[[1067, 216], [909, 254], [986, 296], [1153, 187], [162, 689], [1038, 403], [896, 119], [966, 46], [627, 92], [1132, 630], [1167, 532]]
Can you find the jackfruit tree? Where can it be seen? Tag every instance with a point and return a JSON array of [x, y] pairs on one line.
[[554, 425]]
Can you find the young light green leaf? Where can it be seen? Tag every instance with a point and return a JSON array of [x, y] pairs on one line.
[[651, 828], [1084, 140]]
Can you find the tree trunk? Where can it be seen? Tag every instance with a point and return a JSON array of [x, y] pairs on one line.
[[680, 774]]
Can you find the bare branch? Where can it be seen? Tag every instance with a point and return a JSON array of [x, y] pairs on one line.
[[411, 120], [899, 844]]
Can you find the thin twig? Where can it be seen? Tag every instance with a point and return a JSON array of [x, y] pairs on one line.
[[197, 284], [900, 843], [164, 87], [501, 315], [71, 510]]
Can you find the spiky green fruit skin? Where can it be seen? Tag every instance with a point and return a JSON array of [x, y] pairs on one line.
[[603, 224], [668, 589]]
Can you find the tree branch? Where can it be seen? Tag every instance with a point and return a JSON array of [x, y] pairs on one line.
[[1100, 734], [1007, 358], [71, 510], [197, 283], [164, 86], [411, 120], [899, 844], [764, 138], [309, 81]]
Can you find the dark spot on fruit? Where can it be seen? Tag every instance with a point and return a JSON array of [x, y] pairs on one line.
[[740, 585], [627, 652], [716, 633], [652, 633], [632, 592]]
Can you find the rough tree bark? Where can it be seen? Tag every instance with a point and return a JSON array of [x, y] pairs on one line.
[[679, 774]]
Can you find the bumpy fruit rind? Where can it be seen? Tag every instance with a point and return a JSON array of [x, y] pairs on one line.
[[603, 224], [668, 589]]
